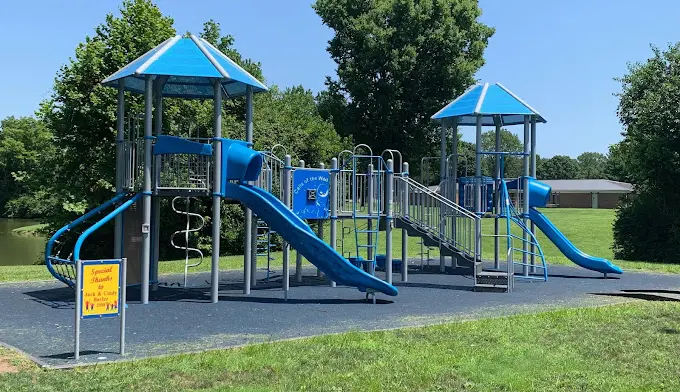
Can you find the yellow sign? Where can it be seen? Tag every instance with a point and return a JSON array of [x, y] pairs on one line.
[[101, 292]]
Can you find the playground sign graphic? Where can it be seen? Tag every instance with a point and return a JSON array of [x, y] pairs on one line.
[[311, 190], [100, 289]]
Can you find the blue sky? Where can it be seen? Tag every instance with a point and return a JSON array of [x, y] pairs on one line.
[[559, 56]]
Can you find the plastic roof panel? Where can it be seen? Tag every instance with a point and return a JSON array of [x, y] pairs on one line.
[[498, 101], [183, 59], [191, 66], [489, 102]]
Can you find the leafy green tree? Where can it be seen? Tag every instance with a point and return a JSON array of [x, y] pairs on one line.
[[513, 165], [591, 165], [648, 226], [26, 156], [616, 168], [291, 118], [81, 114], [559, 167], [398, 62]]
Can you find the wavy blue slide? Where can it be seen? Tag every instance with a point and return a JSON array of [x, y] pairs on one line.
[[568, 249], [304, 240]]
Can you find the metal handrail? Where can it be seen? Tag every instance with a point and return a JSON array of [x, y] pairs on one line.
[[463, 230], [437, 196]]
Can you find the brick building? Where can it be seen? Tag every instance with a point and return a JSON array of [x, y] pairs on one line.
[[587, 193]]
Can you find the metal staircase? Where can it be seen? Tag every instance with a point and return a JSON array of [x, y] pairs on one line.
[[441, 223]]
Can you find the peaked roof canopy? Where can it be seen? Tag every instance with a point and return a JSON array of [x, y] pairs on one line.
[[490, 101], [190, 65]]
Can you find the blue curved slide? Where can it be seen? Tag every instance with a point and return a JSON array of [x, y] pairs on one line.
[[294, 230], [568, 249]]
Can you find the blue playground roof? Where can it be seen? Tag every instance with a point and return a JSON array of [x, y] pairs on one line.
[[190, 64], [489, 101]]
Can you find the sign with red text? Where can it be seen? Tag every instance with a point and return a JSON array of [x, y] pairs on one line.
[[100, 288]]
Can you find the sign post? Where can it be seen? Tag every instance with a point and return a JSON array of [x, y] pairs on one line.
[[100, 292]]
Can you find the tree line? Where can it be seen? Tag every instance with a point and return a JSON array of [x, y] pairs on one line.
[[398, 61]]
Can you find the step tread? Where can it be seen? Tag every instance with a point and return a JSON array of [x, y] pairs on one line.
[[492, 286], [493, 274]]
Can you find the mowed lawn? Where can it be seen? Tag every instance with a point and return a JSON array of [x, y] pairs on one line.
[[629, 347], [589, 229]]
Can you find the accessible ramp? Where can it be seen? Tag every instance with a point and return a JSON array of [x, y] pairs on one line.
[[301, 237], [538, 197]]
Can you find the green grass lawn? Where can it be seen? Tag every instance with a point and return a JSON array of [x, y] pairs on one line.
[[589, 229], [629, 347]]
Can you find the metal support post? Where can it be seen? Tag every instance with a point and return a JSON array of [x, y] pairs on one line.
[[217, 186], [253, 255], [389, 183], [454, 175], [298, 256], [146, 223], [525, 194], [478, 166], [533, 174], [334, 206], [120, 152], [156, 205], [404, 232], [123, 305], [247, 246], [287, 171], [442, 179], [369, 222], [497, 199]]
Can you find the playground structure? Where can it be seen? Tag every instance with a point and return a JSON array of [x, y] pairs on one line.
[[366, 194]]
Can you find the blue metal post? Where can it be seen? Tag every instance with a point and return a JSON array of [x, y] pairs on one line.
[[217, 177], [248, 250], [287, 171], [334, 205], [442, 179], [533, 174], [404, 233], [389, 182], [298, 256], [453, 172], [478, 165], [155, 209], [120, 136], [496, 258], [525, 194], [146, 225]]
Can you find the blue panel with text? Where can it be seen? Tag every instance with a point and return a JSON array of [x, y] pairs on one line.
[[311, 193]]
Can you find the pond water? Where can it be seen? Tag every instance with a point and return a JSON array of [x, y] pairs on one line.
[[19, 249]]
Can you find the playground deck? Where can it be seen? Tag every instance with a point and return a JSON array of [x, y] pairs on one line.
[[38, 317]]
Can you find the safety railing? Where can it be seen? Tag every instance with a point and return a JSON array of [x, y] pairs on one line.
[[133, 165], [271, 176], [437, 216], [185, 171]]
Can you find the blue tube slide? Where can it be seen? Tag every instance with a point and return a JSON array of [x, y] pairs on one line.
[[60, 232], [294, 230], [538, 197]]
